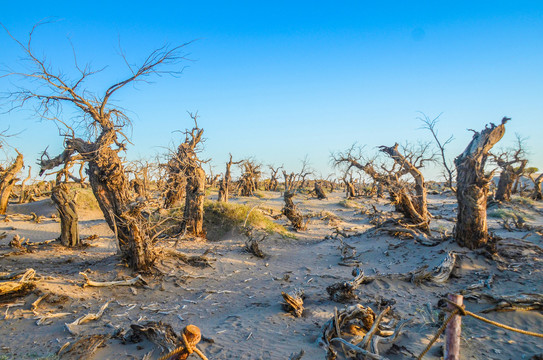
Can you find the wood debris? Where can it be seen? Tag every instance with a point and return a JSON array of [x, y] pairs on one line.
[[357, 330], [84, 348], [138, 280], [71, 327], [294, 302]]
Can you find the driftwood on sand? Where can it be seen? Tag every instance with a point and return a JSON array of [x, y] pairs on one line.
[[294, 302]]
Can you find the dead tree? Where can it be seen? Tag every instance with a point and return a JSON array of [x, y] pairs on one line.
[[273, 183], [100, 145], [319, 190], [289, 180], [536, 194], [65, 204], [413, 206], [248, 183], [224, 185], [176, 183], [350, 191], [188, 162], [8, 180], [449, 170], [472, 186], [304, 172], [291, 212], [510, 173]]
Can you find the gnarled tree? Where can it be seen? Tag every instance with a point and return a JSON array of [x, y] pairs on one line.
[[472, 186], [65, 204], [248, 183], [412, 204], [273, 183], [102, 141], [187, 161], [512, 163]]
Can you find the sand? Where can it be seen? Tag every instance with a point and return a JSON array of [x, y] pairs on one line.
[[237, 303]]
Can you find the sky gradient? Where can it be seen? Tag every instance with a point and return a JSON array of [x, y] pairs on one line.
[[279, 80]]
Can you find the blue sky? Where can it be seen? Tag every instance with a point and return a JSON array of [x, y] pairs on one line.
[[279, 80]]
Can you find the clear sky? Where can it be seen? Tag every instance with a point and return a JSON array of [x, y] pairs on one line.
[[279, 80]]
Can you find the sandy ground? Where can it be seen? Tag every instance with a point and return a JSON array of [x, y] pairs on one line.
[[237, 302]]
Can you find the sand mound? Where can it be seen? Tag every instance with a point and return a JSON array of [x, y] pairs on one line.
[[44, 207]]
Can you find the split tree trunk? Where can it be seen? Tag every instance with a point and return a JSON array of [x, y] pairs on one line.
[[7, 181], [69, 232], [472, 187]]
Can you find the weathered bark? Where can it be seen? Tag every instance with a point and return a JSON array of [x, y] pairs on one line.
[[7, 181], [138, 187], [472, 187], [69, 232], [508, 177], [188, 162], [110, 186], [536, 194], [176, 185], [193, 216]]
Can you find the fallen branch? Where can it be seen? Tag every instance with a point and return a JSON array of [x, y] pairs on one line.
[[138, 280], [86, 318]]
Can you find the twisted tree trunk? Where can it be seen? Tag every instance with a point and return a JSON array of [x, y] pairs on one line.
[[472, 187], [7, 181], [110, 186], [292, 213], [69, 232]]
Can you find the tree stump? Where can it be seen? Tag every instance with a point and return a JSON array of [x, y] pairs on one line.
[[472, 187], [69, 232]]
